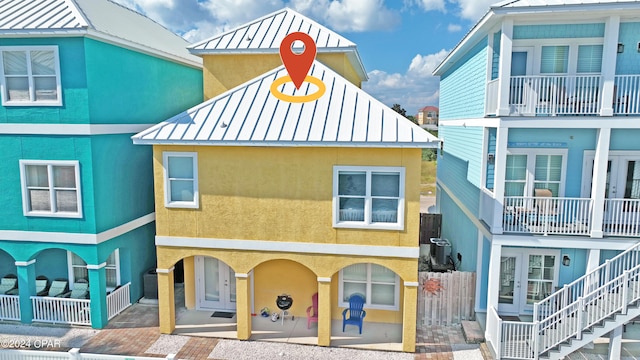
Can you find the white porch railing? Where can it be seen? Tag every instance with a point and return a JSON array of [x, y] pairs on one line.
[[61, 310], [73, 354], [622, 217], [9, 307], [547, 215], [626, 100], [494, 332], [118, 300]]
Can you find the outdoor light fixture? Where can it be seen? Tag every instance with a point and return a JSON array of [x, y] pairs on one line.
[[620, 48], [491, 159], [566, 261]]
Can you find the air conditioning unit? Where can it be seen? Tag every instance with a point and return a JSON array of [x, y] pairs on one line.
[[440, 251]]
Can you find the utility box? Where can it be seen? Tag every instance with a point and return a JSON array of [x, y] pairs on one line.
[[150, 284]]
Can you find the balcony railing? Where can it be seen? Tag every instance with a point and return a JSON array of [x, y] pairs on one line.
[[560, 95], [118, 300], [547, 215], [61, 310], [9, 307]]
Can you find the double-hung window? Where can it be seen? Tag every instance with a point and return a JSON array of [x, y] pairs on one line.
[[379, 286], [30, 76], [368, 197], [51, 188], [78, 269], [180, 179]]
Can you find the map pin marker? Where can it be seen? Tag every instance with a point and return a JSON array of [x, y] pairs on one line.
[[297, 65]]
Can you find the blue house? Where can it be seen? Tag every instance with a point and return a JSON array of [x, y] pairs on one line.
[[539, 172], [78, 78]]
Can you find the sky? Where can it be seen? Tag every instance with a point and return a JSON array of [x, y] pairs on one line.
[[400, 41]]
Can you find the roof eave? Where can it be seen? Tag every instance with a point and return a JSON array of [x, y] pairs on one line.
[[354, 144]]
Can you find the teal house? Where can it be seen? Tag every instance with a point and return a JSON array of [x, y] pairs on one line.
[[78, 78]]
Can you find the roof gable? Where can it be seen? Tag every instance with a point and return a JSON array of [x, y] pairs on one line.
[[101, 19], [249, 115]]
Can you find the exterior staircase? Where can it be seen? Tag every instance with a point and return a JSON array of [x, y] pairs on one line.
[[595, 304]]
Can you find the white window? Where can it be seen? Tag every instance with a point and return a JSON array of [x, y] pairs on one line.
[[379, 286], [180, 179], [51, 188], [529, 169], [78, 269], [368, 197], [30, 76]]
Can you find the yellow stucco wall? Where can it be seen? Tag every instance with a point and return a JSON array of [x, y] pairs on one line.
[[218, 78], [281, 194]]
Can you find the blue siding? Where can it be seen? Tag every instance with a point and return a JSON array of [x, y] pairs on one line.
[[577, 140], [466, 80], [460, 231], [628, 62], [495, 59], [625, 139], [484, 280], [460, 166], [576, 269], [558, 31]]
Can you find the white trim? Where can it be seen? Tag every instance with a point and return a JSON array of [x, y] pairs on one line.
[[76, 238], [168, 203], [469, 214], [31, 77], [165, 271], [411, 284], [531, 153], [564, 242], [51, 187], [96, 267], [241, 276], [324, 279], [290, 247], [349, 144], [368, 223], [25, 263], [72, 129]]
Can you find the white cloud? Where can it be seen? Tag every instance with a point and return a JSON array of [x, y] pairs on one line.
[[428, 5], [454, 28], [414, 89], [473, 9]]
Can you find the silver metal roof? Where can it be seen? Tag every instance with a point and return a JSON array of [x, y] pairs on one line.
[[249, 115], [265, 34], [535, 3], [101, 19]]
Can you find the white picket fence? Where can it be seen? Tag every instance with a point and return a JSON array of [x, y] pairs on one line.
[[61, 310], [73, 354], [452, 303], [9, 307], [118, 300]]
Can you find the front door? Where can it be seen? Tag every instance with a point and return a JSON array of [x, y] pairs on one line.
[[526, 277], [215, 284], [623, 182]]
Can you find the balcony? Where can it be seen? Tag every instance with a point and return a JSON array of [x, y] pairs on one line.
[[569, 216], [565, 95]]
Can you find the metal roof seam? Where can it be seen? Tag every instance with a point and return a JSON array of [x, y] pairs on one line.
[[326, 115]]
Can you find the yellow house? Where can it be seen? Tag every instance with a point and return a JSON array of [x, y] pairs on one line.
[[261, 197]]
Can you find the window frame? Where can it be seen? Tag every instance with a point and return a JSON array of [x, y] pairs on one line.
[[49, 164], [116, 267], [367, 222], [195, 204], [368, 297], [531, 154], [30, 77]]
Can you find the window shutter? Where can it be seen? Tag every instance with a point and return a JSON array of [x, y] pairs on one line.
[[589, 58]]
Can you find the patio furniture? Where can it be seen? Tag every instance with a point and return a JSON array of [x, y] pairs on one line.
[[80, 290], [545, 206], [284, 302], [58, 288], [42, 285], [312, 311], [355, 311], [8, 283]]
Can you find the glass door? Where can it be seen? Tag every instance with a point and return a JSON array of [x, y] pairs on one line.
[[540, 277], [215, 284], [509, 291]]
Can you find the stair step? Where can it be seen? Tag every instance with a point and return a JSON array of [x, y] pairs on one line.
[[472, 332]]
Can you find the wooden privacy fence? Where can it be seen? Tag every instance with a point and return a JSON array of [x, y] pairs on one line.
[[446, 298]]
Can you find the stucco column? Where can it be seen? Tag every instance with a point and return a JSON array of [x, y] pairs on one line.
[[504, 67], [243, 306], [98, 295], [189, 283], [166, 300], [599, 181], [324, 311], [410, 309], [500, 169], [26, 272], [609, 58]]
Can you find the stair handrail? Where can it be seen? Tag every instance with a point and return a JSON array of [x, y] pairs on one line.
[[612, 268]]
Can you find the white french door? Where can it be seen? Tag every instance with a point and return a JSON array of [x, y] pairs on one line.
[[215, 284], [526, 276]]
